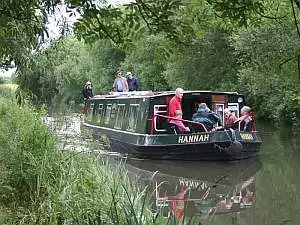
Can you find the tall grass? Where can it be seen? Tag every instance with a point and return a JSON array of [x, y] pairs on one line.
[[40, 184]]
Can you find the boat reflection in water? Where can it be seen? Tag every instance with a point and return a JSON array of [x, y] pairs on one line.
[[191, 189]]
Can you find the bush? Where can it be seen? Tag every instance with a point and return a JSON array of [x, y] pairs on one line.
[[42, 185]]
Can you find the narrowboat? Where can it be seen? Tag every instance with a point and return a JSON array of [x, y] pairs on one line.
[[136, 124]]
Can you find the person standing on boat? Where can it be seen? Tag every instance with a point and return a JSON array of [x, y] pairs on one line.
[[120, 83], [132, 82], [175, 103], [87, 91], [229, 118], [87, 94]]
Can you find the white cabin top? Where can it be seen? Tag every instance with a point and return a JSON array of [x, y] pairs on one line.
[[133, 94]]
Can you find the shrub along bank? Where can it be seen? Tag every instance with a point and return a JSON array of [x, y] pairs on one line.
[[40, 184]]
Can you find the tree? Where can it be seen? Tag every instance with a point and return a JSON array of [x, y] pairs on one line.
[[106, 60], [268, 74], [208, 63], [147, 61]]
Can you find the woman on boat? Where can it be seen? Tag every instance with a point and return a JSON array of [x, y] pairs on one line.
[[177, 121], [120, 83], [245, 122]]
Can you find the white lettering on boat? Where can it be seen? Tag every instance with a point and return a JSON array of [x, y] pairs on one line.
[[247, 136], [193, 138], [192, 183]]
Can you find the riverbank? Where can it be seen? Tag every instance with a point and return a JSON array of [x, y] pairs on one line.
[[40, 184]]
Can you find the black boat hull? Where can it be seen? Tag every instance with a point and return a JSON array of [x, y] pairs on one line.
[[218, 146], [195, 152]]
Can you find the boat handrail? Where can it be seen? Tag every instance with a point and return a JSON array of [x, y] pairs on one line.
[[173, 118]]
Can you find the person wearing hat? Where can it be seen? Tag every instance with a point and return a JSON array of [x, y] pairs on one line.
[[87, 91], [87, 94], [132, 82]]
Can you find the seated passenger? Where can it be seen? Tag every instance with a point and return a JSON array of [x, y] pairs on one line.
[[203, 116], [214, 117], [229, 119], [180, 128], [245, 120]]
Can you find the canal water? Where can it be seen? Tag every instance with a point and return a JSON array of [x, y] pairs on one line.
[[261, 190]]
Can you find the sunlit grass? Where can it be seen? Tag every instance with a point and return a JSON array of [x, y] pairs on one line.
[[10, 86]]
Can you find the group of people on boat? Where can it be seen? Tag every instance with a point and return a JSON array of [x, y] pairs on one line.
[[122, 84], [205, 117]]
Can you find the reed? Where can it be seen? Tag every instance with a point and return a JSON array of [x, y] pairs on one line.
[[40, 184]]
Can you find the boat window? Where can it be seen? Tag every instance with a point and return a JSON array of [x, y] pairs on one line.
[[113, 111], [120, 116], [100, 112], [234, 108], [219, 110], [159, 121], [107, 114], [91, 111], [132, 117]]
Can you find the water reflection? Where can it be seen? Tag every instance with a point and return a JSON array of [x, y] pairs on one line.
[[192, 189]]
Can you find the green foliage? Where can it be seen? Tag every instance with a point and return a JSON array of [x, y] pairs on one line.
[[25, 145], [208, 63], [126, 24], [55, 71], [105, 61], [238, 10], [5, 91], [269, 70], [19, 25], [168, 44], [57, 74], [147, 62]]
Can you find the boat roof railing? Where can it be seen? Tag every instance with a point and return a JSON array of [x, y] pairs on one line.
[[197, 92], [125, 94], [150, 93]]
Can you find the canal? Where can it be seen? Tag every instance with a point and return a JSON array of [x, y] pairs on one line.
[[261, 190]]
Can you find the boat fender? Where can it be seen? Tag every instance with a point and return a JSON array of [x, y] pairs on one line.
[[235, 148], [231, 133]]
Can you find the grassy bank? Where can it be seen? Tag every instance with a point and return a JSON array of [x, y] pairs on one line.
[[40, 184]]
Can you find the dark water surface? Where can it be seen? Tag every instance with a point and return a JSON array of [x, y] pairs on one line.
[[262, 190]]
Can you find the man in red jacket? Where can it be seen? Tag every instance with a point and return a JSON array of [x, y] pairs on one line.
[[175, 102]]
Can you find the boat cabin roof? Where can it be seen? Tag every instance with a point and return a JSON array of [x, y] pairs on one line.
[[143, 94]]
